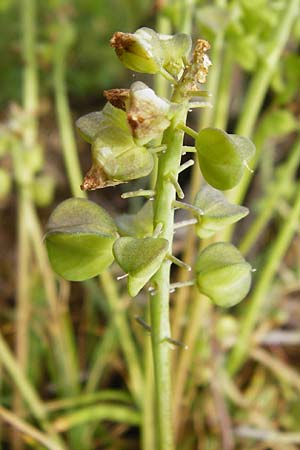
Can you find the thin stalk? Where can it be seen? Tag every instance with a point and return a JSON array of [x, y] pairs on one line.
[[85, 399], [124, 334], [260, 84], [221, 110], [169, 163], [28, 430], [30, 105], [103, 354], [253, 309], [198, 312], [287, 171], [35, 405], [205, 120], [148, 438], [114, 413], [23, 298], [64, 117]]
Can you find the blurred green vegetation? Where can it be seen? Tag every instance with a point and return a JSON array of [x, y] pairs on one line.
[[74, 364]]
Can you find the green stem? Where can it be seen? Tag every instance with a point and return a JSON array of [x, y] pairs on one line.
[[148, 438], [28, 430], [114, 413], [260, 84], [35, 405], [221, 110], [30, 104], [251, 315], [159, 307], [286, 171], [64, 117], [124, 334]]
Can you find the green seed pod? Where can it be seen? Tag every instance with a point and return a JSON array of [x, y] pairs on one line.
[[148, 115], [137, 225], [217, 211], [140, 259], [176, 49], [223, 157], [93, 123], [88, 125], [223, 274], [115, 156], [116, 159], [79, 239], [140, 51]]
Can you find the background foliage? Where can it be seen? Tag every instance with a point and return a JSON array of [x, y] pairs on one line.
[[73, 360]]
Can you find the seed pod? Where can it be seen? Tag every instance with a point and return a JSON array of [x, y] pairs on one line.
[[148, 115], [176, 49], [223, 157], [115, 156], [91, 124], [79, 239], [140, 259], [138, 225], [217, 211], [140, 51], [116, 160], [149, 52], [223, 274]]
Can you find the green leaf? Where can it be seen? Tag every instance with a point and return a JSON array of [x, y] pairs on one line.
[[218, 212], [138, 225], [223, 274], [79, 239], [140, 259], [223, 157]]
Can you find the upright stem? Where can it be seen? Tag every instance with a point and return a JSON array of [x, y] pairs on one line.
[[259, 294], [34, 403], [30, 105], [64, 117], [159, 307], [259, 86]]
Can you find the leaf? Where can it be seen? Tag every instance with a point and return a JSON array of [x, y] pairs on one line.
[[218, 212], [79, 239], [140, 259], [222, 157], [139, 225], [223, 274]]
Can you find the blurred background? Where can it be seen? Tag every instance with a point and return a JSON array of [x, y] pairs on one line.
[[75, 366]]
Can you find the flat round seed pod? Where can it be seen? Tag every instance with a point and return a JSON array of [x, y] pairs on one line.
[[140, 259], [223, 157], [217, 211], [79, 239], [137, 225], [223, 274]]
